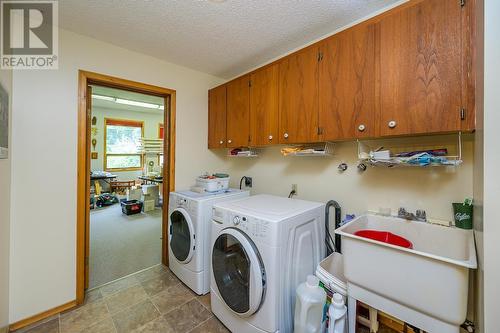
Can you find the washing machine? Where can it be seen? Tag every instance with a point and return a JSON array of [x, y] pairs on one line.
[[262, 248], [189, 220]]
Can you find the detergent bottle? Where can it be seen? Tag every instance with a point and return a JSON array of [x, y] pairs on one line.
[[337, 314], [309, 303]]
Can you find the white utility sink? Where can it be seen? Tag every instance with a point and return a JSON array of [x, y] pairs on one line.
[[426, 286]]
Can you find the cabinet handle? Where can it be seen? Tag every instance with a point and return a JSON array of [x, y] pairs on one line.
[[221, 142], [361, 128], [229, 141], [392, 124], [270, 137], [285, 135]]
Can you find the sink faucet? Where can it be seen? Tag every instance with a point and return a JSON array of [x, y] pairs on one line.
[[419, 215]]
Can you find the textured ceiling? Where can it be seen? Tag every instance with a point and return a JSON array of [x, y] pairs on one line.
[[223, 38]]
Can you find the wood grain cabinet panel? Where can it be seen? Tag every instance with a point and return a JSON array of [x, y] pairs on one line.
[[421, 68], [298, 97], [347, 84], [238, 112], [264, 112], [217, 117]]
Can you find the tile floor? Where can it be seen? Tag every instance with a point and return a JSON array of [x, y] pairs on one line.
[[150, 301]]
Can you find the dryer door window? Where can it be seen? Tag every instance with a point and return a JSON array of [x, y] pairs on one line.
[[238, 272], [181, 235]]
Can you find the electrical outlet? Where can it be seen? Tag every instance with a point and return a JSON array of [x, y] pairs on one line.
[[248, 181], [295, 189]]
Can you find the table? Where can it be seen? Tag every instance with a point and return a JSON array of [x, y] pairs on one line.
[[151, 180], [107, 178]]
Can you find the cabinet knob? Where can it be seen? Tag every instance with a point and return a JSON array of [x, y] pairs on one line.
[[392, 124], [285, 135], [221, 142], [361, 128], [229, 141], [270, 137]]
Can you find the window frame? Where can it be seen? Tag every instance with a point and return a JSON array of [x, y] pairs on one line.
[[122, 122]]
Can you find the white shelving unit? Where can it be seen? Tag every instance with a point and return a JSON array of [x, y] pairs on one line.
[[246, 153], [323, 149], [150, 146], [399, 153]]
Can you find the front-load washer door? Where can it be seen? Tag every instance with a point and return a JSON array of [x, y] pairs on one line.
[[238, 272], [182, 237]]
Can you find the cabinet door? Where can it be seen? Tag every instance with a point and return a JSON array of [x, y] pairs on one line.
[[347, 84], [217, 117], [264, 113], [238, 112], [298, 97], [421, 68]]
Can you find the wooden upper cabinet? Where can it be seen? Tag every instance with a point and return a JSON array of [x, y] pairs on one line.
[[217, 117], [421, 68], [298, 96], [347, 84], [238, 112], [264, 113]]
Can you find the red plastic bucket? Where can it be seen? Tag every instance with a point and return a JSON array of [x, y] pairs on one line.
[[385, 237]]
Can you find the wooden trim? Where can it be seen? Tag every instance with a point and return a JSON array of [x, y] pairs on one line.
[[124, 122], [41, 316], [83, 183], [121, 122]]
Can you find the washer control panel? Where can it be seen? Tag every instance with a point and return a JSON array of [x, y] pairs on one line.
[[189, 205], [254, 228]]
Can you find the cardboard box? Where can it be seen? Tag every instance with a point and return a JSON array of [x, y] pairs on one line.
[[148, 206], [134, 194]]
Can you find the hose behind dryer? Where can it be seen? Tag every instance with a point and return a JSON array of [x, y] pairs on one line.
[[332, 245]]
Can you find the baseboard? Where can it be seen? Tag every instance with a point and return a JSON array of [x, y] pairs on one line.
[[41, 316]]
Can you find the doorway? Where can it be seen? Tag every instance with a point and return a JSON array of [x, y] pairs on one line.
[[110, 160]]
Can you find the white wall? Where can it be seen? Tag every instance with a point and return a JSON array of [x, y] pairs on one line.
[[43, 208], [5, 178], [151, 121], [432, 189], [478, 283], [491, 212]]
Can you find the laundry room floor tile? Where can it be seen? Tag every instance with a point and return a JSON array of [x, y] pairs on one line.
[[105, 326], [151, 301], [188, 316], [83, 317], [134, 317], [159, 283], [172, 298], [118, 285], [125, 298], [205, 300], [212, 325]]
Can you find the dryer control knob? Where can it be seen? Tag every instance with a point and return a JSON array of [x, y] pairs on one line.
[[236, 220]]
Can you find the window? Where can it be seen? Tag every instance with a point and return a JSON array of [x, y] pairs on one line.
[[121, 138]]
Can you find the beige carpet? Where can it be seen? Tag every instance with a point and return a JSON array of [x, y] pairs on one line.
[[121, 245]]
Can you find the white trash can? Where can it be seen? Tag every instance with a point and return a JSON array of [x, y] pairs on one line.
[[330, 272]]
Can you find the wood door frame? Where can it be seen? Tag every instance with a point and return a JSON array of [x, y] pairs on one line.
[[86, 78]]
